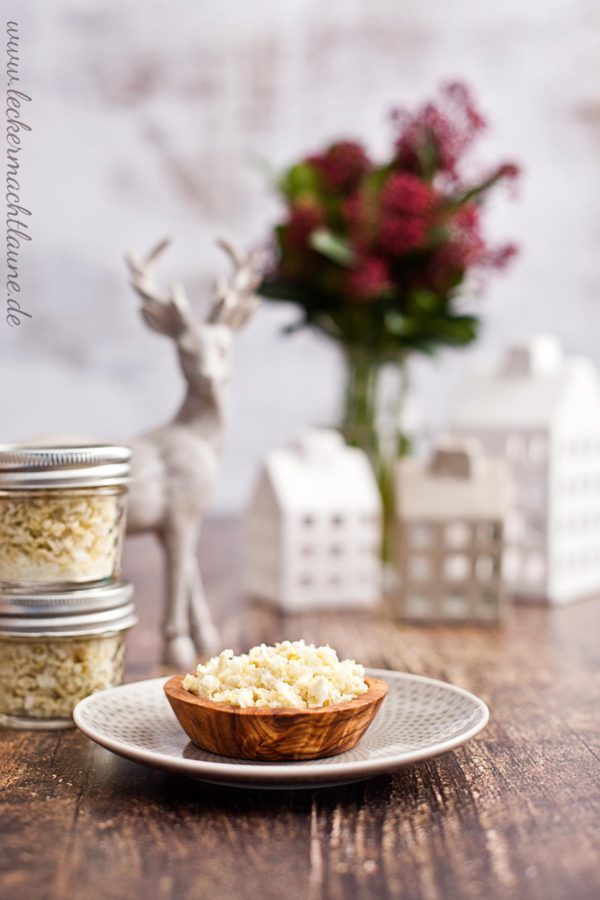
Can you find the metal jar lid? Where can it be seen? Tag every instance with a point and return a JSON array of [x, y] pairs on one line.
[[77, 613], [23, 466], [20, 602], [83, 625]]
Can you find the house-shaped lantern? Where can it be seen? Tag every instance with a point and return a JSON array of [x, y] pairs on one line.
[[541, 413], [448, 538], [312, 531]]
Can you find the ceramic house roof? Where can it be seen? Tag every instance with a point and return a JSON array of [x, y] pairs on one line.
[[458, 483], [528, 390], [321, 473]]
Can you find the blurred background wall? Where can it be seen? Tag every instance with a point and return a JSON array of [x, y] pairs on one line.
[[160, 118]]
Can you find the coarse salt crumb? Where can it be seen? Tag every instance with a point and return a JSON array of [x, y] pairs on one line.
[[290, 674]]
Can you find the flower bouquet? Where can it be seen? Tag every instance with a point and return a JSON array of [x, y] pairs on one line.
[[377, 254]]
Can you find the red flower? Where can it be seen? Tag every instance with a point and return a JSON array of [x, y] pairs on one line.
[[466, 244], [467, 218], [441, 269], [367, 280], [406, 206], [500, 257], [407, 195], [508, 170], [408, 224], [434, 138], [355, 212], [304, 217], [361, 216], [342, 165], [465, 249], [399, 235]]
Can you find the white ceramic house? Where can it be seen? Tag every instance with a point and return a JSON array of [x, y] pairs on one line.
[[312, 531], [448, 540], [541, 412]]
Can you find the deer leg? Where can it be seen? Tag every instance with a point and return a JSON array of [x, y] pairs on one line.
[[178, 647], [203, 628]]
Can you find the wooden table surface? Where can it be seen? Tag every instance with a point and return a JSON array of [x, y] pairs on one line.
[[514, 814]]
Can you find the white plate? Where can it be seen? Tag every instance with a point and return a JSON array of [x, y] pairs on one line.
[[419, 718]]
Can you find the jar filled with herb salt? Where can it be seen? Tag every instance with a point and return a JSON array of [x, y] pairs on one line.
[[57, 648], [62, 515]]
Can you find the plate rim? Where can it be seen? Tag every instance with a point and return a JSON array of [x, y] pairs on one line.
[[293, 770]]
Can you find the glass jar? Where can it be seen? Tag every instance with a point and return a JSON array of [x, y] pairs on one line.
[[62, 515], [56, 649]]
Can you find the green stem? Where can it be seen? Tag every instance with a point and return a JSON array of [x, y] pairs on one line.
[[374, 427]]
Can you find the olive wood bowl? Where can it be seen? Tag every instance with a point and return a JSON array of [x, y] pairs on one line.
[[274, 733]]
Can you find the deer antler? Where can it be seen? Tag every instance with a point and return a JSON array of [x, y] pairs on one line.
[[235, 300], [169, 313]]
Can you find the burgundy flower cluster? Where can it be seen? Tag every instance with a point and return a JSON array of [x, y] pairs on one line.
[[439, 134], [342, 165], [385, 235]]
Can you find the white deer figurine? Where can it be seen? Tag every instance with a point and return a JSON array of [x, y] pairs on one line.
[[174, 467]]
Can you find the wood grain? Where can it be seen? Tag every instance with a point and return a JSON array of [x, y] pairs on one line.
[[275, 734], [515, 813]]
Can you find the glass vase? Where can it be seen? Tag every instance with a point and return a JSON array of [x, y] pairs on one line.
[[374, 397]]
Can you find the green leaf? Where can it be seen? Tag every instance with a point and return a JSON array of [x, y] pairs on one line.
[[476, 192], [332, 246], [374, 180], [397, 324], [428, 154], [300, 180], [293, 327], [425, 301], [426, 347], [457, 277], [438, 236], [458, 330], [275, 289]]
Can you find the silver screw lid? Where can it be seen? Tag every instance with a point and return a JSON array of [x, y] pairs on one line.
[[101, 622], [83, 612], [94, 465], [20, 602]]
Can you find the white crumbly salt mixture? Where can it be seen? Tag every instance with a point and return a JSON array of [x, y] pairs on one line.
[[46, 678], [290, 674], [59, 537]]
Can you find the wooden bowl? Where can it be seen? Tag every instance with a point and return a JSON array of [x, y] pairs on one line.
[[273, 733]]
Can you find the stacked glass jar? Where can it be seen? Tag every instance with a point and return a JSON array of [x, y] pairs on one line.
[[64, 612]]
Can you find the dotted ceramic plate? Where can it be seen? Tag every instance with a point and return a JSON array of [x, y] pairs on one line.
[[419, 718]]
